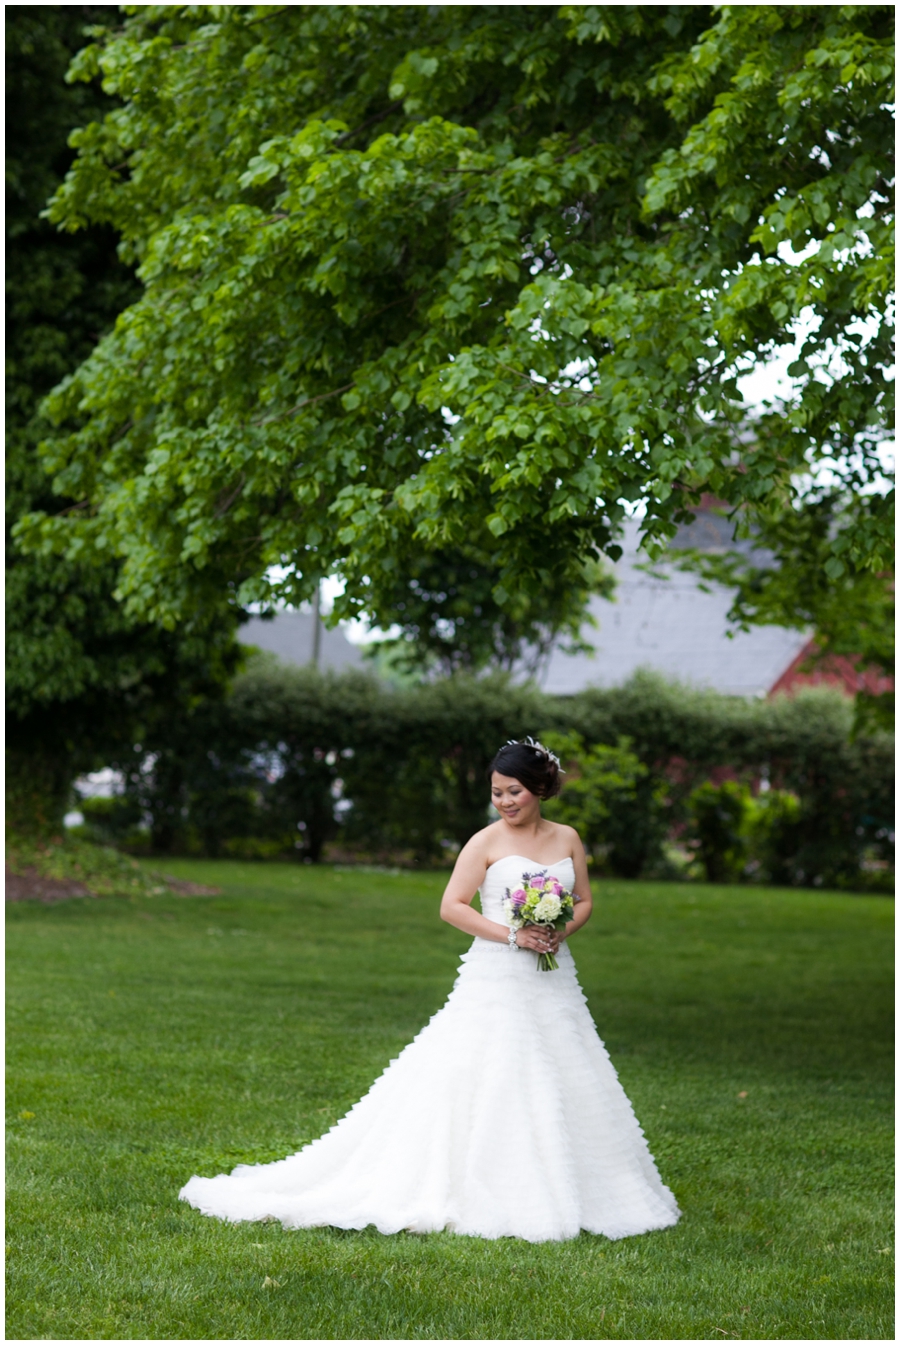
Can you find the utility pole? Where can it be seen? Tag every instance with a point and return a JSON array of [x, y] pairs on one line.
[[317, 627]]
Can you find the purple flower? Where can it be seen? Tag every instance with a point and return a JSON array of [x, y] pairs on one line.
[[518, 897]]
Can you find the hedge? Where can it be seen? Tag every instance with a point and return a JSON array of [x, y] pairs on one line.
[[295, 759], [802, 745]]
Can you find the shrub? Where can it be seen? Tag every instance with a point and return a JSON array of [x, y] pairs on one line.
[[607, 797], [717, 828], [322, 756], [295, 759], [802, 745], [772, 827], [257, 847], [111, 821]]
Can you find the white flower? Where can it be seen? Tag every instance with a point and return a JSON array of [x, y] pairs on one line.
[[548, 908], [511, 912]]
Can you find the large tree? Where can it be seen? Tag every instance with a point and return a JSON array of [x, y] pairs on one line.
[[419, 279], [82, 678]]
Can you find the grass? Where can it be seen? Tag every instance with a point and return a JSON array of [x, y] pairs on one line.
[[152, 1037]]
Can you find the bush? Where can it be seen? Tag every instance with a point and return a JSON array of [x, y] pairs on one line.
[[717, 828], [772, 829], [325, 756], [113, 821], [100, 870], [801, 745], [258, 847], [609, 799], [295, 760]]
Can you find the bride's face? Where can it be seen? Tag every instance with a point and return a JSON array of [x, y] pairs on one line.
[[515, 804]]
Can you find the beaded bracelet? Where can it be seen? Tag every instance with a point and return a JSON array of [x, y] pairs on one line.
[[511, 940]]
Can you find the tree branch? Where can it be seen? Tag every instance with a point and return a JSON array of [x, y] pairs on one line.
[[307, 401], [224, 505], [370, 121]]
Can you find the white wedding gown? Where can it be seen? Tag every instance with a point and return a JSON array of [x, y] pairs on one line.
[[503, 1118]]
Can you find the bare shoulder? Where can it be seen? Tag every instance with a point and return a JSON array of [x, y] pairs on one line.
[[569, 839], [479, 845], [470, 867]]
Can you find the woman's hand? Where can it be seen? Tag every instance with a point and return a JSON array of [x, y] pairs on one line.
[[538, 938]]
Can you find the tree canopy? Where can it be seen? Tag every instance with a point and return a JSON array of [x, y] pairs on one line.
[[425, 281], [81, 677]]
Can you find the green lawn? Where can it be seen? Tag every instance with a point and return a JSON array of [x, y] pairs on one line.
[[154, 1037]]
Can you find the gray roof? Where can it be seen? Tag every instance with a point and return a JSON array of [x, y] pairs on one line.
[[671, 626], [667, 624], [290, 636]]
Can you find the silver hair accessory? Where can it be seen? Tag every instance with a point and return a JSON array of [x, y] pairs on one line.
[[533, 742]]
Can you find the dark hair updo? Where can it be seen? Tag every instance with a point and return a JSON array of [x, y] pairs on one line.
[[530, 764]]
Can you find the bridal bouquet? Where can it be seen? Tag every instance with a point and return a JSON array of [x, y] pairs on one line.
[[541, 900]]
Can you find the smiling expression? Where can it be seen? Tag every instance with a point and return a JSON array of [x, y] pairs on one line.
[[515, 804]]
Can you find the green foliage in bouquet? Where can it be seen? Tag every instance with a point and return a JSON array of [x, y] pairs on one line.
[[539, 901]]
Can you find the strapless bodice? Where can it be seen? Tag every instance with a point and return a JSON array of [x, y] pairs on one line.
[[508, 873]]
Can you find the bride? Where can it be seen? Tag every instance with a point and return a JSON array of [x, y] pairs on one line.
[[504, 1117]]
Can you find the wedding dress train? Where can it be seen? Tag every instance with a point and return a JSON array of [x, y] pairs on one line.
[[504, 1117]]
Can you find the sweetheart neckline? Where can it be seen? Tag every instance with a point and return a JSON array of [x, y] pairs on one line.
[[552, 865]]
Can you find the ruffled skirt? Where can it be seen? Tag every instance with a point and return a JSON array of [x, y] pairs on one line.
[[503, 1118]]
